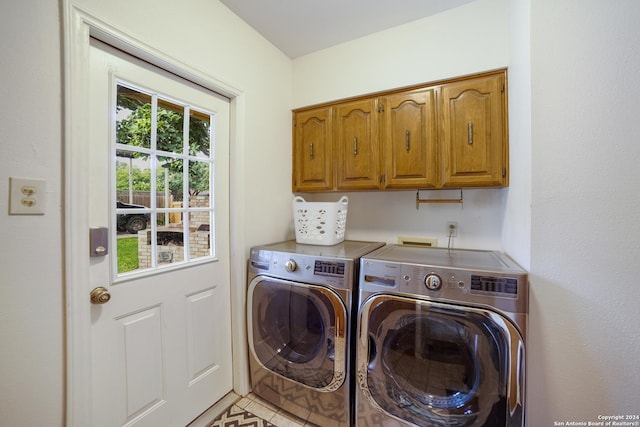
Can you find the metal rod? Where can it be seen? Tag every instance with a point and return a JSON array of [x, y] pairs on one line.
[[420, 201]]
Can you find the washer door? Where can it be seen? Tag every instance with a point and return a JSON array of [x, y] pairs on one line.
[[298, 331], [434, 364]]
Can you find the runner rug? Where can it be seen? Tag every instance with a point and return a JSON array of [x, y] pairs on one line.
[[238, 417]]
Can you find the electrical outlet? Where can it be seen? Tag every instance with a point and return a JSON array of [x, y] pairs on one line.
[[26, 196], [452, 229]]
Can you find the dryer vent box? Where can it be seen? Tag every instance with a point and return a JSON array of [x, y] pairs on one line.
[[418, 241]]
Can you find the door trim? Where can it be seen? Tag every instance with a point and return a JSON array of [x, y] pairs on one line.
[[78, 28]]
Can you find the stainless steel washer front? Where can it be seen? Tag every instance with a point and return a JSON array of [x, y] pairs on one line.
[[297, 332], [300, 300], [441, 338]]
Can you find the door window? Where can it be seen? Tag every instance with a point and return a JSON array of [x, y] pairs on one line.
[[297, 331], [163, 180], [437, 365]]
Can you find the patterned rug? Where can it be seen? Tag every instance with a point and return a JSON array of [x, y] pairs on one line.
[[238, 417]]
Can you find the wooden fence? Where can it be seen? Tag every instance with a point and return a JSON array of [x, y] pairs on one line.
[[143, 198]]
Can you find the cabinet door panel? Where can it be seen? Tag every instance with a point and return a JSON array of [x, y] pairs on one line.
[[410, 140], [312, 146], [356, 145], [474, 137]]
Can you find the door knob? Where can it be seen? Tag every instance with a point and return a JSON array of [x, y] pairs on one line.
[[100, 295]]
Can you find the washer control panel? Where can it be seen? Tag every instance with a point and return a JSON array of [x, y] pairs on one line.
[[303, 268]]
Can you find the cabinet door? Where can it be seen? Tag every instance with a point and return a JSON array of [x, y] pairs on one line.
[[409, 129], [356, 145], [474, 132], [312, 146]]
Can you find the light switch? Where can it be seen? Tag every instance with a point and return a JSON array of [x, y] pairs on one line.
[[26, 196]]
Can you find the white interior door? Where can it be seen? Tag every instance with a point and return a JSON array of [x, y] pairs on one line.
[[161, 346]]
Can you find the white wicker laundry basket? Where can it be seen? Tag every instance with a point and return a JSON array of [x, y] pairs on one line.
[[320, 223]]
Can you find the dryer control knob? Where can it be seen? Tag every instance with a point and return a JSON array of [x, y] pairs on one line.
[[290, 265], [433, 281]]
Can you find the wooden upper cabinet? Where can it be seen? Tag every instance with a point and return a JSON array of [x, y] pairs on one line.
[[312, 150], [447, 134], [409, 133], [356, 154], [474, 139]]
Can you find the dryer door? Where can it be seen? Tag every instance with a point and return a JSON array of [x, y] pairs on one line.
[[298, 331], [434, 364]]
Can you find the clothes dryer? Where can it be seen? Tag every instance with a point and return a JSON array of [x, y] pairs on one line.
[[441, 338], [300, 301]]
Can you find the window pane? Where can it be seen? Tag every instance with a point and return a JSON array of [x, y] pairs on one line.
[[199, 234], [199, 134], [128, 252], [133, 117], [133, 178], [169, 181], [169, 244], [170, 127], [199, 179]]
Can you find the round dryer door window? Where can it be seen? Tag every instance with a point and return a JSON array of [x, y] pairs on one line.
[[435, 364], [298, 331]]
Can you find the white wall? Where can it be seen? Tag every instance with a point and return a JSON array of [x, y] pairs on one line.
[[31, 290], [516, 229], [465, 40], [585, 231], [201, 33]]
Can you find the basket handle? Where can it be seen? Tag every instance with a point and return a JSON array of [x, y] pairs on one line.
[[344, 200], [298, 199]]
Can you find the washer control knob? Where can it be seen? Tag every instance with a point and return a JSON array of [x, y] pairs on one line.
[[290, 265], [433, 281]]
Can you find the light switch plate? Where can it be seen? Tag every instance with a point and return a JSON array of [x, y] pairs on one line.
[[26, 196]]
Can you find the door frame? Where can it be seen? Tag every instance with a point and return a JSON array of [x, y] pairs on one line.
[[78, 28]]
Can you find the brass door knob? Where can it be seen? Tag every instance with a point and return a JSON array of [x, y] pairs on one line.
[[100, 295]]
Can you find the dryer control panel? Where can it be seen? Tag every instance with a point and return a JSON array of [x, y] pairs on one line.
[[505, 290]]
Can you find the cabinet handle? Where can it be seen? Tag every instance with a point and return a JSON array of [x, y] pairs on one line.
[[407, 140], [355, 145], [470, 133], [311, 151]]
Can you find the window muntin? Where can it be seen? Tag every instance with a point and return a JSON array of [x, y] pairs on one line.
[[164, 165]]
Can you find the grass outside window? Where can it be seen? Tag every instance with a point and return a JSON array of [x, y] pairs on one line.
[[127, 254]]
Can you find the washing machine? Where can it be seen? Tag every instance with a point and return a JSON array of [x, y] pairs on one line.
[[300, 301], [441, 338]]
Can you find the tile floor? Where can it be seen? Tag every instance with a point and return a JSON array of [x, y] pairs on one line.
[[250, 411]]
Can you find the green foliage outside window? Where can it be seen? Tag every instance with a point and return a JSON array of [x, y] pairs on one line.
[[135, 130]]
